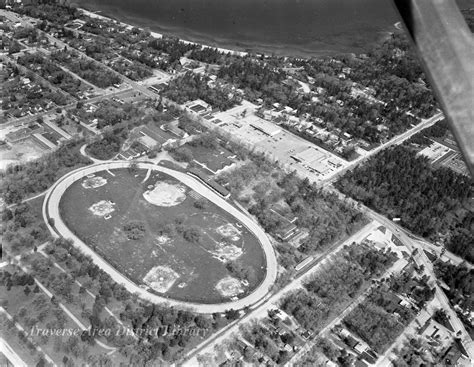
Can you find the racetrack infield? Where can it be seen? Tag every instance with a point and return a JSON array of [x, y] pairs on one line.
[[168, 262]]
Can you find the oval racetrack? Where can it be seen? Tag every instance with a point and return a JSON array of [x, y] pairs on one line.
[[51, 210]]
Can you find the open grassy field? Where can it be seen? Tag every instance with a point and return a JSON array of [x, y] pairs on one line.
[[164, 236]]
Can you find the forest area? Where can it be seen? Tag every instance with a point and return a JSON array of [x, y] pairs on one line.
[[337, 285], [326, 217], [380, 319], [18, 182], [190, 87], [460, 281], [431, 203]]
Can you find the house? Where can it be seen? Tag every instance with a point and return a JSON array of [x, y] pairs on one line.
[[286, 229], [288, 348], [147, 141], [360, 348], [175, 130]]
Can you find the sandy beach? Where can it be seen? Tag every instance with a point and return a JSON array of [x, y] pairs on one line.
[[159, 35]]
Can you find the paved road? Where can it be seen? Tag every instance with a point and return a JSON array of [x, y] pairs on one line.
[[51, 209], [261, 310], [11, 355], [42, 81], [394, 269], [422, 259], [394, 141], [27, 119], [447, 255]]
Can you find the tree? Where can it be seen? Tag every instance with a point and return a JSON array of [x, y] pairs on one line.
[[201, 203], [193, 234], [231, 314], [22, 312], [135, 230], [14, 47], [133, 168], [54, 301], [182, 154], [27, 290]]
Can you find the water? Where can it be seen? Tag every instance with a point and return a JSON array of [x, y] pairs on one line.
[[283, 27]]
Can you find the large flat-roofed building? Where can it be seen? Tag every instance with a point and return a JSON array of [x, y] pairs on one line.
[[265, 127], [309, 156], [315, 160], [148, 141]]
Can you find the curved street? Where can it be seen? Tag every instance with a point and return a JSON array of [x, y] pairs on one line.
[[51, 210]]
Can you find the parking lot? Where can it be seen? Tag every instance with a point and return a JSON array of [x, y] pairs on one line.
[[282, 145]]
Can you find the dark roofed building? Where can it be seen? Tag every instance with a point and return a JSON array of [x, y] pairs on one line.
[[221, 190], [174, 129], [452, 355], [198, 108]]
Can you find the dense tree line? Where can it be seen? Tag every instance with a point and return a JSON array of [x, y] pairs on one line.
[[19, 98], [469, 17], [51, 72], [119, 117], [394, 78], [259, 337], [460, 281], [109, 144], [375, 321], [23, 228], [172, 46], [327, 218], [29, 33], [208, 55], [461, 239], [191, 86], [36, 176], [392, 69], [398, 183], [414, 352], [16, 279], [86, 69], [332, 288], [50, 10], [101, 50], [166, 345], [190, 125], [258, 80], [437, 130], [374, 324]]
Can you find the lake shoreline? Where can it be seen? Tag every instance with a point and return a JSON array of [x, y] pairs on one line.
[[156, 34], [324, 49]]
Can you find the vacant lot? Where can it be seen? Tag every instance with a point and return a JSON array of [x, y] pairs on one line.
[[163, 235]]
